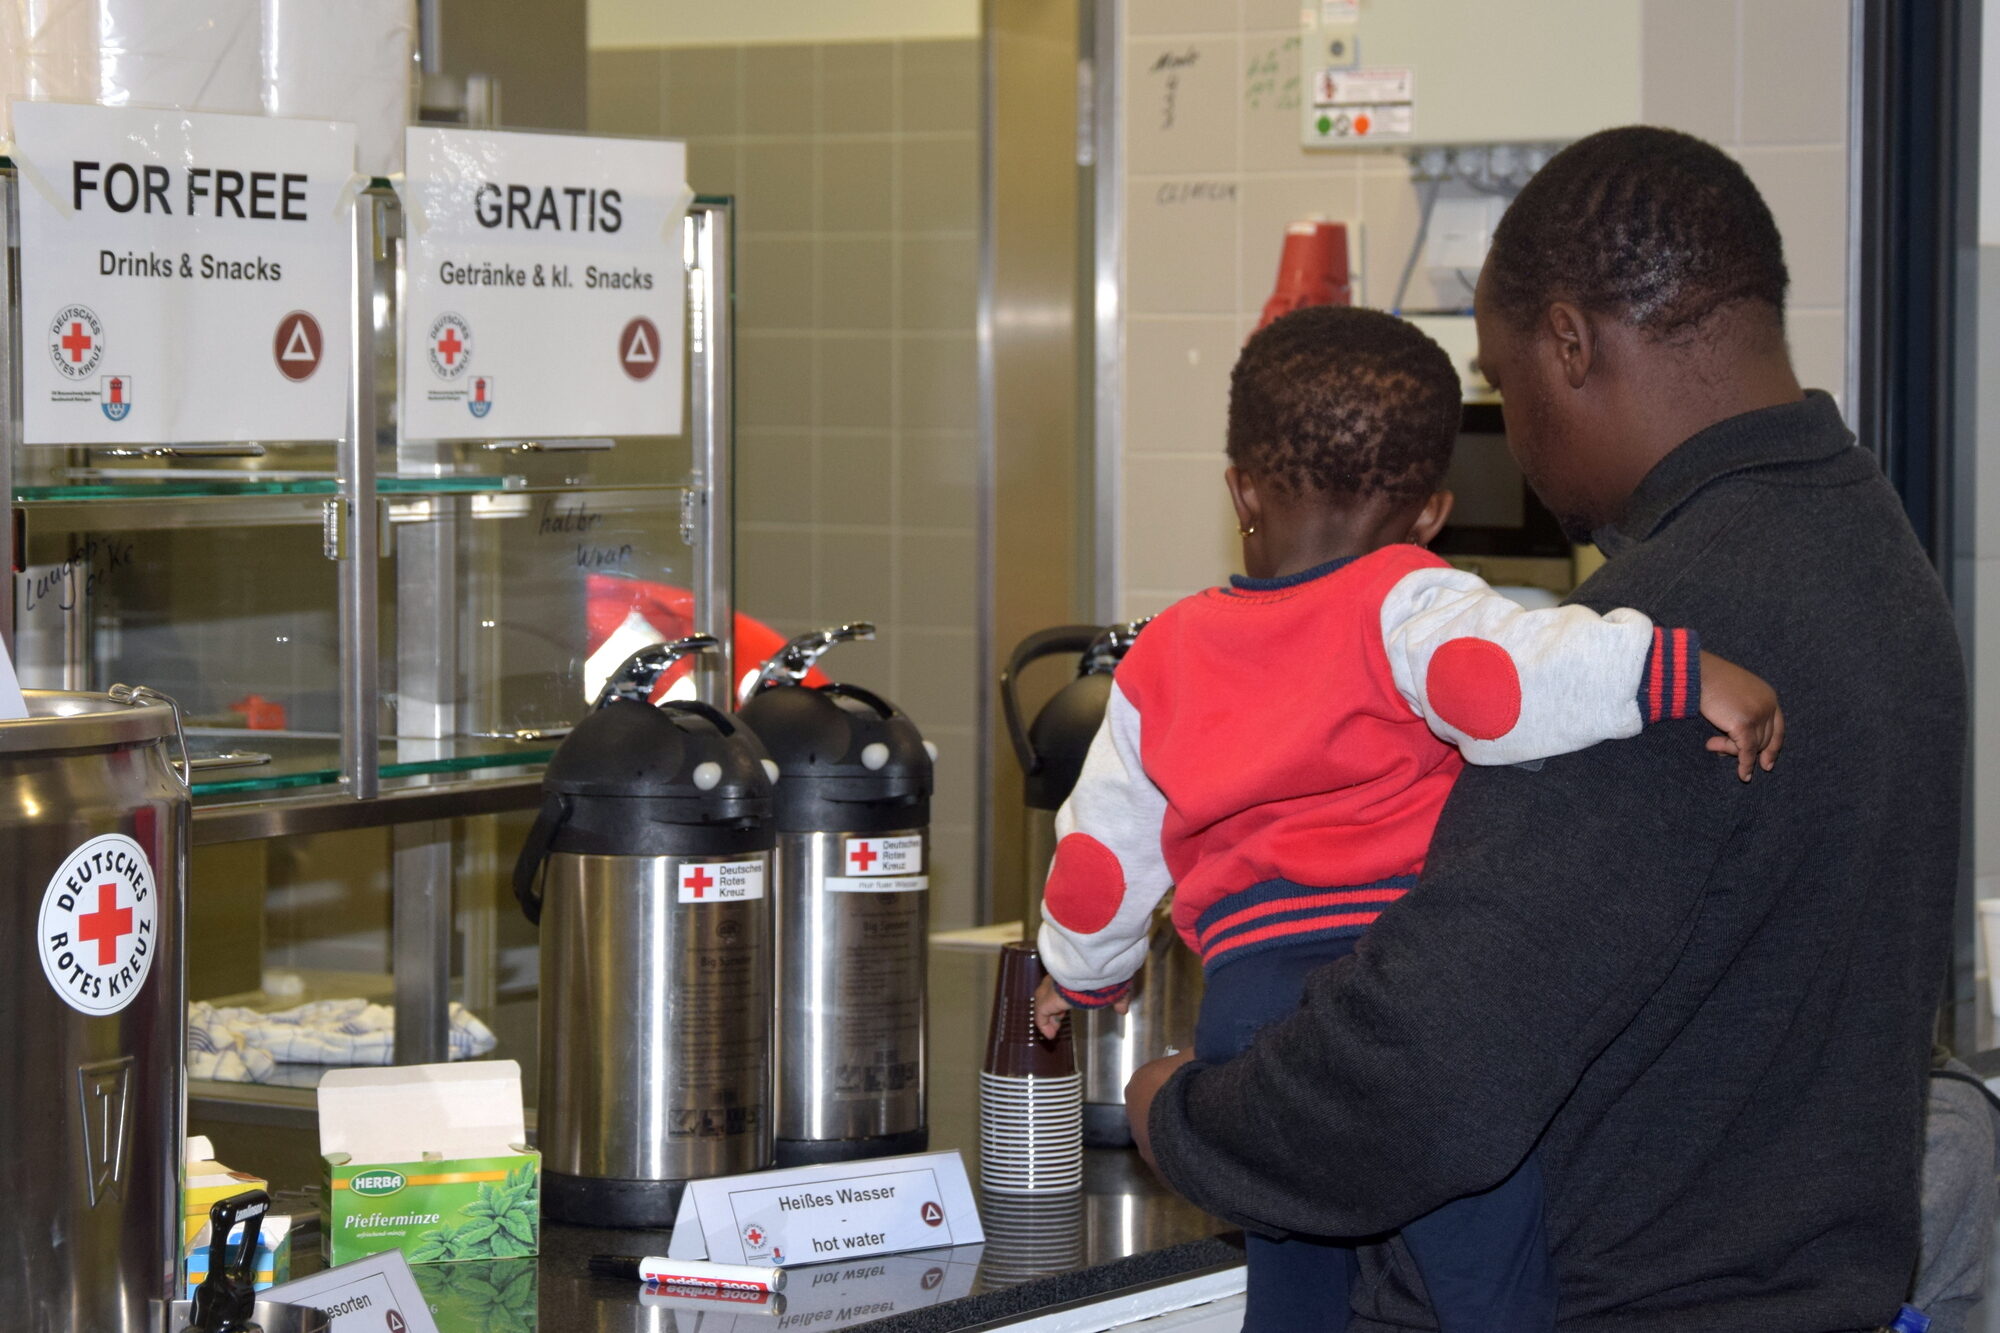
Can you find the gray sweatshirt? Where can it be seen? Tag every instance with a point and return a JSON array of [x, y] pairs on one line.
[[1707, 1005]]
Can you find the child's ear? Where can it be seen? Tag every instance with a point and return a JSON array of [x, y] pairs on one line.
[[1243, 495], [1432, 517]]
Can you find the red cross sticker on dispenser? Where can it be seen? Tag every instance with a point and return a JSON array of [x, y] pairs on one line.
[[450, 346], [96, 930], [721, 881], [896, 856]]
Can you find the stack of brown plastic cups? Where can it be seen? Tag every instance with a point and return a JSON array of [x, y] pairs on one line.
[[1030, 1097]]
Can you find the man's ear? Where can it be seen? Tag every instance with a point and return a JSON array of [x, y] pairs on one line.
[[1243, 495], [1575, 341], [1432, 517]]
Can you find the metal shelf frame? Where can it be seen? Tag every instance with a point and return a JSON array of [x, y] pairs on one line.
[[356, 518]]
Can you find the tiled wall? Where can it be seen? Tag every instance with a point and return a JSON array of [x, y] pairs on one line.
[[1208, 200], [856, 171]]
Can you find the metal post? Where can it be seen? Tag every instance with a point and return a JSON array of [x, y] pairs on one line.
[[420, 935], [357, 540], [710, 399], [11, 431]]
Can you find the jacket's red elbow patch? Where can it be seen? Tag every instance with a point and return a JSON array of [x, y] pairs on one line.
[[1474, 686], [1086, 885]]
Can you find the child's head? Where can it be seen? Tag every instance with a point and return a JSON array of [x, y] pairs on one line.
[[1337, 410]]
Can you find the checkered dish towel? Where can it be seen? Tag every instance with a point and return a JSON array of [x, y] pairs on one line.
[[237, 1045]]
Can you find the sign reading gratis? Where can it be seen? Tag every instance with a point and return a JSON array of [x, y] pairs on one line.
[[185, 277], [544, 289]]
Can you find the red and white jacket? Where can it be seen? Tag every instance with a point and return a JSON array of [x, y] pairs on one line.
[[1278, 751]]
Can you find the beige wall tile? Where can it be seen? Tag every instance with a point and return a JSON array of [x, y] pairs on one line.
[[715, 166], [1795, 71], [1151, 16], [855, 185], [938, 385], [937, 184], [774, 577], [1390, 206], [869, 664], [854, 282], [774, 282], [854, 481], [1270, 15], [1177, 385], [939, 675], [1819, 348], [938, 282], [778, 193], [1807, 191], [780, 87], [624, 92], [1270, 117], [774, 476], [704, 90], [1181, 99], [1138, 603], [937, 478], [857, 88], [938, 85], [1179, 530], [936, 580], [852, 580], [953, 851], [854, 383], [1687, 60], [1987, 524], [1180, 247], [774, 379], [1273, 203]]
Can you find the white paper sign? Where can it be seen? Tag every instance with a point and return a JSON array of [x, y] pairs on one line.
[[367, 1296], [544, 286], [817, 1214], [871, 864], [184, 277]]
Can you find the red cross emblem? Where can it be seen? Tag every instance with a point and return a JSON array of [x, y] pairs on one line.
[[698, 881], [106, 926], [863, 857], [449, 346], [754, 1235], [76, 342]]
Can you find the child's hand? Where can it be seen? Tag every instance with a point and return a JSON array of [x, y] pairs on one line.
[[1742, 706], [1049, 1008]]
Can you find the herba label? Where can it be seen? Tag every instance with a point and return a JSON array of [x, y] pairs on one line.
[[98, 929]]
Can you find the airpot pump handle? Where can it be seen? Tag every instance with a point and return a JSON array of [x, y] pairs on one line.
[[636, 676], [226, 1300], [1045, 643], [791, 663]]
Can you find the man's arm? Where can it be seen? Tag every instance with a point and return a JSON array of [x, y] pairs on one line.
[[1425, 1067]]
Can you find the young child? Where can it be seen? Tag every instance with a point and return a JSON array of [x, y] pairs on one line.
[[1277, 752]]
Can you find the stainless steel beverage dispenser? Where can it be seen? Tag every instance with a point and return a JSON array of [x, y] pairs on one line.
[[93, 1092], [648, 869], [1167, 992], [851, 906]]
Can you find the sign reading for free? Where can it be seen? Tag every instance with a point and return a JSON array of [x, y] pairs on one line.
[[545, 288], [184, 277]]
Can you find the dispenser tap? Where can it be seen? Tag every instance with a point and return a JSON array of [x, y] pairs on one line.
[[793, 661], [1110, 647], [636, 676]]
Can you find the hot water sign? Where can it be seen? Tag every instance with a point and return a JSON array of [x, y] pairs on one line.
[[97, 932], [206, 257], [565, 255]]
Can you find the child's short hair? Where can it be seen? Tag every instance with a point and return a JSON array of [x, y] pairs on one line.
[[1344, 400]]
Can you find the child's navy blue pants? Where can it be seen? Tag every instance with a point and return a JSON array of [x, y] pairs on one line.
[[1484, 1259]]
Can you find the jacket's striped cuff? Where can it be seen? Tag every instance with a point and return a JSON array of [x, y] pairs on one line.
[[1670, 686], [1094, 999]]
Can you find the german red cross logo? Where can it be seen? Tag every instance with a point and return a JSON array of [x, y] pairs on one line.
[[76, 342], [698, 880], [863, 857], [450, 346], [97, 928], [753, 1235]]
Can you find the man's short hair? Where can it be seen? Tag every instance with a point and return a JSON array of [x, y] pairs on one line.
[[1344, 401], [1656, 227]]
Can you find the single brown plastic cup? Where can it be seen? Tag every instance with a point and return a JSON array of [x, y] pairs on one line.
[[1014, 1047]]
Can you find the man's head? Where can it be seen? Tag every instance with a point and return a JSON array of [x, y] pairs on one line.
[[1337, 408], [1636, 285]]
